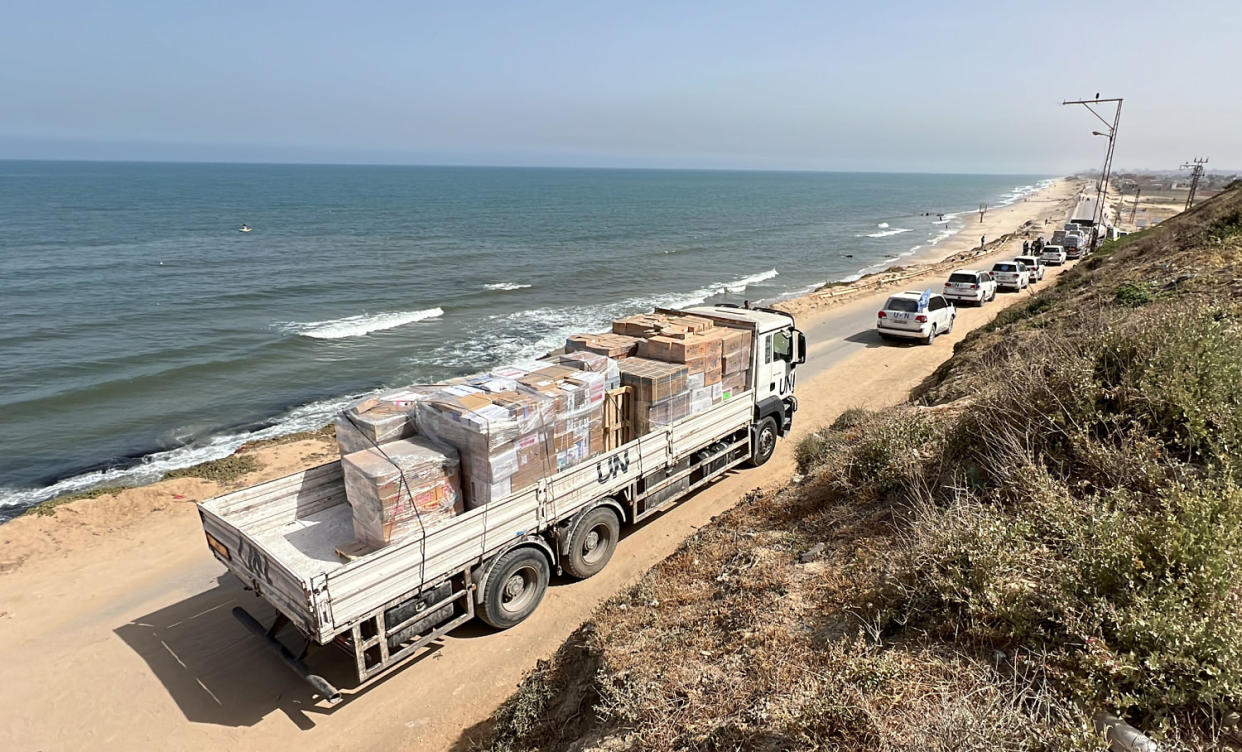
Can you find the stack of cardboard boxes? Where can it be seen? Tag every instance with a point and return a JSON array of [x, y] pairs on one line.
[[400, 488], [415, 457]]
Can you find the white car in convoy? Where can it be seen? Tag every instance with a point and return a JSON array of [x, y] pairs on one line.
[[1011, 275], [916, 315], [1053, 254], [968, 284], [1034, 265]]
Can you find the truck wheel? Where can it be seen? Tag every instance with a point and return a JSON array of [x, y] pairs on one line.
[[514, 588], [592, 544], [763, 443]]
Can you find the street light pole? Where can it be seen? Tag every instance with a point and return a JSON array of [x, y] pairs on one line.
[[1101, 191]]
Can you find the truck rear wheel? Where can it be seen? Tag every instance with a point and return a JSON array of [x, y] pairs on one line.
[[514, 588], [763, 443], [593, 541]]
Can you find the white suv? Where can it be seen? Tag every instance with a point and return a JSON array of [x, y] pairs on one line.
[[1011, 274], [916, 315], [1053, 254], [1034, 265], [968, 284]]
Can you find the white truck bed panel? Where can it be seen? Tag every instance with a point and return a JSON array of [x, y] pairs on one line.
[[282, 535]]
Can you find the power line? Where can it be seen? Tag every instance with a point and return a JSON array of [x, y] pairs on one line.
[[1196, 172], [1101, 189]]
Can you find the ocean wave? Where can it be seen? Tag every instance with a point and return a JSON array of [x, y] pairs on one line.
[[152, 467], [356, 326], [886, 233], [505, 286], [740, 285], [883, 225]]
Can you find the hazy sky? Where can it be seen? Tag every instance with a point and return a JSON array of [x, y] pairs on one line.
[[872, 85]]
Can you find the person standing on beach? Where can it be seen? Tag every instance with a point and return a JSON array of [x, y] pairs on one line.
[[983, 241]]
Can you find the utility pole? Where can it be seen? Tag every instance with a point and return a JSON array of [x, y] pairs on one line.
[[1196, 172], [983, 209], [1101, 190], [1134, 210]]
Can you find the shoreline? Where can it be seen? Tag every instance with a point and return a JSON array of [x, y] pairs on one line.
[[151, 469]]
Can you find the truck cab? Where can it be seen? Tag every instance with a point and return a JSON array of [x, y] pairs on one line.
[[779, 348]]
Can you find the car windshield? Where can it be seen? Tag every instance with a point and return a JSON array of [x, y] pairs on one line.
[[961, 277], [902, 304], [1004, 268]]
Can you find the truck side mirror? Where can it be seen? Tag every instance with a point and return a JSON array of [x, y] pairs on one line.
[[801, 348]]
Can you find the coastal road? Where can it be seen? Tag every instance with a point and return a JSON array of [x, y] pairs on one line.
[[129, 644]]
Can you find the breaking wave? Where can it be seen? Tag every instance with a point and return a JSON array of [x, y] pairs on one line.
[[356, 326]]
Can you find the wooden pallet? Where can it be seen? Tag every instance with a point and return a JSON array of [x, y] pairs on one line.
[[618, 417]]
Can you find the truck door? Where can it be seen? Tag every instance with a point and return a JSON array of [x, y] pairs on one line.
[[774, 374]]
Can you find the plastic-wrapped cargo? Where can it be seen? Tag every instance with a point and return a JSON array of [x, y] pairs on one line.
[[401, 488], [649, 416], [503, 437], [616, 346], [704, 398], [578, 422], [691, 323], [734, 384], [595, 363], [653, 380], [379, 419]]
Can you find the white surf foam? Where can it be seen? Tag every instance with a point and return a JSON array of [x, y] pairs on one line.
[[152, 467], [886, 233], [506, 286], [356, 326], [883, 225]]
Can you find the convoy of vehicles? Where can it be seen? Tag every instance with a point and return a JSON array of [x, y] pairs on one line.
[[977, 287], [283, 538]]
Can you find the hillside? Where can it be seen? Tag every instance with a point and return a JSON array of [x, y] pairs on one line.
[[1050, 528]]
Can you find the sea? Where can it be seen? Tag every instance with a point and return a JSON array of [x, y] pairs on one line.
[[141, 331]]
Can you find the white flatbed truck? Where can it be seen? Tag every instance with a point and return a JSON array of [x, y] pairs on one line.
[[280, 538]]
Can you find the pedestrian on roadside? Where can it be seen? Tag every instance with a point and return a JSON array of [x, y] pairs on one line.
[[983, 241], [1026, 247]]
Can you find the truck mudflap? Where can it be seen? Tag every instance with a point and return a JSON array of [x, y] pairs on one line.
[[294, 662]]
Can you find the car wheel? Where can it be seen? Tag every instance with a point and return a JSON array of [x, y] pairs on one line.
[[931, 335], [952, 321], [592, 543], [514, 588]]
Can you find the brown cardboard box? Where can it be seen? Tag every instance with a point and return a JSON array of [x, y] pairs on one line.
[[691, 323], [649, 416], [610, 345], [640, 325], [653, 380], [400, 488], [672, 350], [734, 362]]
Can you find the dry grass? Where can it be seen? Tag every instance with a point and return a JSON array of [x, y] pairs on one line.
[[1054, 529]]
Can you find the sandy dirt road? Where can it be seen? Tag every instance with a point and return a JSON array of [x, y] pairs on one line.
[[129, 644]]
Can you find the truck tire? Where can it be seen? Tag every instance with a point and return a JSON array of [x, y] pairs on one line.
[[514, 588], [763, 443], [593, 541]]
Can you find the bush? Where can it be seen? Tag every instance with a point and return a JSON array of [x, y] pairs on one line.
[[224, 470], [1133, 294]]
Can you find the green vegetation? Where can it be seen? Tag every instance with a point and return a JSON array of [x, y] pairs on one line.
[[48, 508], [224, 470], [1052, 529]]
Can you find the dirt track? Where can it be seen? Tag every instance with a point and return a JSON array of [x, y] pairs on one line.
[[125, 641]]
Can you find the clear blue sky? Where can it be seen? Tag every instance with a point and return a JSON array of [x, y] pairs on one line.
[[922, 86]]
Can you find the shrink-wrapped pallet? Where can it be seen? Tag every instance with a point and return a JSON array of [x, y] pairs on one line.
[[703, 399], [379, 419], [401, 488], [616, 346], [595, 363], [649, 416], [734, 384], [503, 437], [578, 421]]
